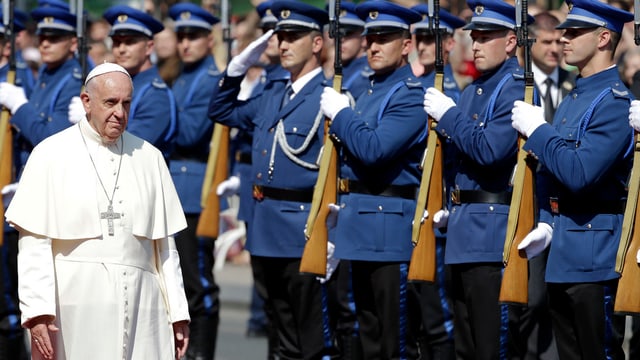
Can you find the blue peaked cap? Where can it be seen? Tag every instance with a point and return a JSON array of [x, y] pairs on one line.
[[267, 19], [54, 3], [53, 20], [20, 18], [382, 16], [128, 21], [447, 21], [297, 16], [591, 14], [493, 15], [189, 17], [348, 16]]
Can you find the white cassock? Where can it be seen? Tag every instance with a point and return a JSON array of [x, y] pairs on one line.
[[113, 296]]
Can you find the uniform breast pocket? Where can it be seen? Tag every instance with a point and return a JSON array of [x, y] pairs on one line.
[[590, 242], [384, 224], [296, 133]]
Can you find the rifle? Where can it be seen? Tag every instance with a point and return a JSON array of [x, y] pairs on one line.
[[314, 256], [6, 136], [218, 160], [83, 48], [628, 293], [521, 220], [422, 266]]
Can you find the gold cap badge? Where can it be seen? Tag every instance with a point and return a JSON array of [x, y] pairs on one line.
[[185, 15], [479, 10], [373, 15], [122, 18], [285, 13]]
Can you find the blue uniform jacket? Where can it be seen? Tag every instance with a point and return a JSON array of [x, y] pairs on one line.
[[483, 144], [585, 161], [450, 86], [382, 141], [24, 76], [188, 164], [242, 143], [279, 224], [355, 76], [153, 113]]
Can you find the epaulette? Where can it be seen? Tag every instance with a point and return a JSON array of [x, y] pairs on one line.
[[213, 71], [77, 73], [518, 76], [620, 92], [366, 72], [159, 83], [449, 83], [413, 83], [21, 65]]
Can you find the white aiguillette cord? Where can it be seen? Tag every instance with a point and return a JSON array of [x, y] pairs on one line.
[[109, 214]]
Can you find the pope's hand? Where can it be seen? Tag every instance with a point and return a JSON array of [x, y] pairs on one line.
[[436, 104], [12, 97], [76, 110], [331, 102], [228, 187], [537, 240], [181, 337], [526, 118], [634, 115], [249, 56], [332, 218], [42, 331]]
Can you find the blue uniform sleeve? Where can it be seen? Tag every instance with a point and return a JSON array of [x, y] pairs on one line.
[[225, 107], [195, 127], [401, 126]]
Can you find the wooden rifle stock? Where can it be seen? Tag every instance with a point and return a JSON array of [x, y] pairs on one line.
[[314, 256], [628, 293], [217, 172], [522, 211], [6, 152]]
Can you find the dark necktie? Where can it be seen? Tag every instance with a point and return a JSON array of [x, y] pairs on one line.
[[549, 110], [288, 92]]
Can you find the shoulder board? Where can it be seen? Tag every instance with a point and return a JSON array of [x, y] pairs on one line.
[[518, 76], [77, 73], [449, 83], [366, 72], [213, 71], [158, 83], [21, 65], [620, 92]]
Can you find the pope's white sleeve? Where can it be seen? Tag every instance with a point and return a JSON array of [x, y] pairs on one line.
[[178, 306], [36, 277]]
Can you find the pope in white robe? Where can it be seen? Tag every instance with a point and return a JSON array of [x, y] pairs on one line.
[[99, 274]]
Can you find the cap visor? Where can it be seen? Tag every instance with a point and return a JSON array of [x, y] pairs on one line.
[[482, 26], [127, 32], [292, 28], [576, 24], [382, 30]]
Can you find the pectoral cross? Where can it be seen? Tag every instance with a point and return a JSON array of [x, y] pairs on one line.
[[110, 215]]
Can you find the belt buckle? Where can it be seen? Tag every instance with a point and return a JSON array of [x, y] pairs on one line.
[[455, 196], [238, 155], [343, 186], [555, 207], [257, 192]]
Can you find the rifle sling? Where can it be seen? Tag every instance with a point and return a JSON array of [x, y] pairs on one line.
[[346, 186]]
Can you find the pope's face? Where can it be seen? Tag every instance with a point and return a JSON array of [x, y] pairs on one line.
[[106, 101]]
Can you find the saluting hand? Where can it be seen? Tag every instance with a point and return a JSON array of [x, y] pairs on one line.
[[436, 104], [634, 115], [526, 118], [12, 97], [249, 56], [331, 102]]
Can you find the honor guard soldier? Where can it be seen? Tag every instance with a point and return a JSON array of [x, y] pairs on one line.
[[585, 158], [381, 143], [260, 321], [153, 114], [436, 336], [425, 41], [188, 162], [287, 137], [355, 68], [11, 332], [481, 146]]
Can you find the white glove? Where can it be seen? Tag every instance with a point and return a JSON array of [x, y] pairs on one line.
[[638, 256], [440, 219], [12, 97], [436, 104], [249, 56], [7, 193], [331, 102], [228, 187], [526, 118], [332, 218], [537, 240], [634, 115], [332, 262], [76, 110]]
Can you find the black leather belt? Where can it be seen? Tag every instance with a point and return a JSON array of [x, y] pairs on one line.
[[480, 197], [260, 192], [401, 191], [243, 157], [582, 207]]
